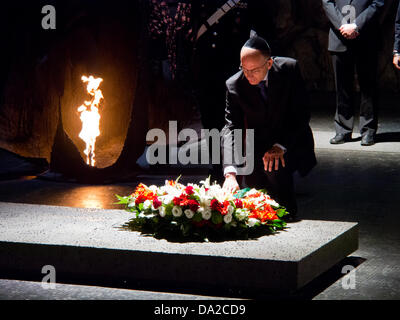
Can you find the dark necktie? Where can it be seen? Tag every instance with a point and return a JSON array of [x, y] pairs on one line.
[[263, 90]]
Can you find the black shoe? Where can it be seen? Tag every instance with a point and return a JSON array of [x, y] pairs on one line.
[[341, 138], [367, 140]]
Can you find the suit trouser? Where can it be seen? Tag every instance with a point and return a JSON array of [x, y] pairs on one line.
[[279, 185], [365, 63]]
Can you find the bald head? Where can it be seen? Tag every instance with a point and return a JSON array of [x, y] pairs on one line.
[[255, 64], [250, 53]]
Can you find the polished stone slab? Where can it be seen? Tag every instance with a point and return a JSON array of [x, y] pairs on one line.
[[90, 243]]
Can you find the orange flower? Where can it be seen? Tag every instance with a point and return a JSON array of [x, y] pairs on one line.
[[262, 212], [255, 195], [142, 193], [224, 209], [270, 216], [171, 183]]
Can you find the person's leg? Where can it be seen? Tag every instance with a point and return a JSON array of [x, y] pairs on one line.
[[279, 185], [366, 67], [343, 66], [281, 188]]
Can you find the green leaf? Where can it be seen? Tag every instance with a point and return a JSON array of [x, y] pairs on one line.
[[168, 210], [216, 218], [279, 224], [281, 213], [241, 193], [122, 200], [197, 217]]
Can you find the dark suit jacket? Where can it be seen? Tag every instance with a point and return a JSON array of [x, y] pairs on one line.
[[284, 119], [367, 12], [397, 31]]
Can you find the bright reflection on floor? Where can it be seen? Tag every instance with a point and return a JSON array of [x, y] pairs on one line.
[[91, 197]]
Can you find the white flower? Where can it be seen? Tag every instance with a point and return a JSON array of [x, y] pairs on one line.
[[141, 215], [251, 192], [205, 202], [206, 183], [195, 186], [231, 209], [206, 214], [241, 214], [167, 199], [189, 213], [147, 204], [252, 222], [228, 218], [177, 211], [272, 202], [153, 189], [162, 212], [132, 203]]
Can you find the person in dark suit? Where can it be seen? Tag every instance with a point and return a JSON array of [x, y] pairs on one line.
[[396, 49], [268, 96], [353, 43]]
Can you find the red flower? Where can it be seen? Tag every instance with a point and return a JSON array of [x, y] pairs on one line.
[[157, 203], [224, 210], [216, 205], [189, 190], [192, 204], [140, 199], [239, 204], [177, 200]]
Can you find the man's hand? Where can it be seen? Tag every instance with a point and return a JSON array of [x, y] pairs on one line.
[[272, 157], [396, 61], [230, 184], [349, 31]]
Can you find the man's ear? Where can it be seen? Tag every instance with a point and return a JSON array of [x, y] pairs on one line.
[[270, 63]]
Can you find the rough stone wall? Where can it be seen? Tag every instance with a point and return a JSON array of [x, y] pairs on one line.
[[45, 77]]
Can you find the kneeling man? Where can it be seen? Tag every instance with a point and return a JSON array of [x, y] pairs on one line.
[[268, 96]]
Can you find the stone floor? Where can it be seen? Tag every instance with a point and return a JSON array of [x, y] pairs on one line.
[[350, 183]]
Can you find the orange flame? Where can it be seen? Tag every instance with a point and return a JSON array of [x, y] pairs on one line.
[[90, 117]]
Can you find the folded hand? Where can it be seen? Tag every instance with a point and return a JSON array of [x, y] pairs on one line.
[[349, 31]]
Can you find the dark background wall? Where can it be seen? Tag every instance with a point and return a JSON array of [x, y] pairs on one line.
[[40, 69]]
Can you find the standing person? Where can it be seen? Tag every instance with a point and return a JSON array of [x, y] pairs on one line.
[[268, 95], [353, 43], [219, 27], [396, 49]]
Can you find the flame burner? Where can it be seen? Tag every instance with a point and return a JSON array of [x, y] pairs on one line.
[[90, 117], [43, 91], [67, 164]]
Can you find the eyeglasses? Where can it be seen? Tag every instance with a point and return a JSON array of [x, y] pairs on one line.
[[255, 70]]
